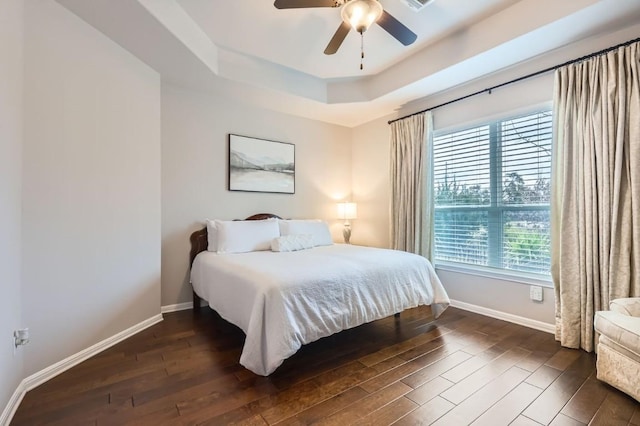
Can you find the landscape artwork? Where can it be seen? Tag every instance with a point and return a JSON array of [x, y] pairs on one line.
[[259, 165]]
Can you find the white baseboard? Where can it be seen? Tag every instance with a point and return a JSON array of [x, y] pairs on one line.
[[52, 371], [12, 405], [181, 306], [516, 319], [177, 307]]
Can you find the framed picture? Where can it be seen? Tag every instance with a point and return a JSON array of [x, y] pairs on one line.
[[259, 165]]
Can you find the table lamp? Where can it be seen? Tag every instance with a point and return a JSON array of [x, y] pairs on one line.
[[347, 211]]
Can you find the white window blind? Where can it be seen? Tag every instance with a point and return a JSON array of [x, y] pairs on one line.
[[492, 191]]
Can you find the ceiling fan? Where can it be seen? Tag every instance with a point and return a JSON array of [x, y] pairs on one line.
[[356, 14]]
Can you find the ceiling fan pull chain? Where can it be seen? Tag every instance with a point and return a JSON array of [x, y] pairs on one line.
[[361, 49]]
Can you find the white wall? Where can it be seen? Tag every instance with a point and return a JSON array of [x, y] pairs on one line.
[[11, 55], [91, 186], [195, 129], [371, 183], [371, 168]]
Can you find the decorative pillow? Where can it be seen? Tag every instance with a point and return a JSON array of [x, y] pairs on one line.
[[245, 235], [292, 242], [212, 235], [319, 229]]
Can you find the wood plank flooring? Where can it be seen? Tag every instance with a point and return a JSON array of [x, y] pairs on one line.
[[460, 369]]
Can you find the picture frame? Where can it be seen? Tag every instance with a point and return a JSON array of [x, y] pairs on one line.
[[261, 165]]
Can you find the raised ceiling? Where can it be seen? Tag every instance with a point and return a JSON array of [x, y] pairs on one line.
[[296, 38], [274, 58]]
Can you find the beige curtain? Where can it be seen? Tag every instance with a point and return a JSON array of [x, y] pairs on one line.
[[595, 210], [412, 184]]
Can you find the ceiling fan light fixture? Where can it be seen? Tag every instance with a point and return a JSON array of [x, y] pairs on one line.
[[361, 14]]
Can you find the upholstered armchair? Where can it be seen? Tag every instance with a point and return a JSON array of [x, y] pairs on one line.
[[618, 361]]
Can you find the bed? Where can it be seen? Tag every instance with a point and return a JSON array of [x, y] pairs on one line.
[[283, 300]]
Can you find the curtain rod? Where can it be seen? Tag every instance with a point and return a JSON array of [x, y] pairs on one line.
[[534, 74]]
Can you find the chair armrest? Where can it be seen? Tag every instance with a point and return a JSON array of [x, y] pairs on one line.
[[626, 306], [621, 329]]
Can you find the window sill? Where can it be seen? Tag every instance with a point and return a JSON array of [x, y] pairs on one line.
[[517, 277]]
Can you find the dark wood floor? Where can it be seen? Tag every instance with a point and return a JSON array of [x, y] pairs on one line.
[[460, 369]]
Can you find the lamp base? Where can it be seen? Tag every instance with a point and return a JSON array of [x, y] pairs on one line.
[[346, 233]]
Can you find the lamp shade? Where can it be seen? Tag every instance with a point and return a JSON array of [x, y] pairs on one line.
[[347, 211], [361, 14]]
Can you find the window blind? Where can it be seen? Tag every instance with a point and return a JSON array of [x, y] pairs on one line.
[[492, 192]]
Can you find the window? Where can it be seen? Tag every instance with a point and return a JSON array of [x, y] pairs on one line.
[[492, 192]]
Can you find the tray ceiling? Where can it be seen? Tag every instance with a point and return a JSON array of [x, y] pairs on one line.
[[274, 58]]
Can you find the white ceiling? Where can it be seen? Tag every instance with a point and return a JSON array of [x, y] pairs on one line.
[[274, 58], [296, 38]]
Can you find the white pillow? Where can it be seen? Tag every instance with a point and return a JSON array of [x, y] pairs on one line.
[[319, 229], [212, 235], [241, 236], [292, 242]]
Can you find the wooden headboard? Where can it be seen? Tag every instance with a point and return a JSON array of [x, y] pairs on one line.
[[199, 240]]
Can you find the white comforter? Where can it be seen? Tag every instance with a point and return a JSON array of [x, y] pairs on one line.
[[284, 300]]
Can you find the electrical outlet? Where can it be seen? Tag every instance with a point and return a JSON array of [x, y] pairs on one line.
[[21, 337], [535, 293]]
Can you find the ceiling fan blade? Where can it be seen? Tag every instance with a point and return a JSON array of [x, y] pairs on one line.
[[295, 4], [396, 28], [337, 39]]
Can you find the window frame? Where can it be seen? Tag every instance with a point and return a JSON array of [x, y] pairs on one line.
[[495, 209]]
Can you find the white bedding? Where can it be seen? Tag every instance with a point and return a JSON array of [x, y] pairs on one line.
[[284, 300]]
